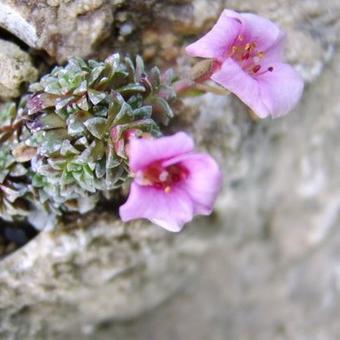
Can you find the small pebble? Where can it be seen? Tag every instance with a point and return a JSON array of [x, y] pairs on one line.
[[126, 29]]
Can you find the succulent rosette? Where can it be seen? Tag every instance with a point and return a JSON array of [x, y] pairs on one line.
[[13, 187], [13, 175], [78, 120]]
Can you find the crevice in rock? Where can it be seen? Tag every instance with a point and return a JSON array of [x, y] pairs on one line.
[[6, 35], [14, 235]]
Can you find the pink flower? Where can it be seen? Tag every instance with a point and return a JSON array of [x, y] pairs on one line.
[[247, 54], [171, 182]]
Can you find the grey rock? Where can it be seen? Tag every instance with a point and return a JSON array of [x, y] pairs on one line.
[[267, 262], [99, 270], [16, 69], [61, 28]]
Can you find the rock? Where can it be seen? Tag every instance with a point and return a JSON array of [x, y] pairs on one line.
[[14, 20], [16, 70], [270, 269], [81, 27], [61, 28], [80, 277]]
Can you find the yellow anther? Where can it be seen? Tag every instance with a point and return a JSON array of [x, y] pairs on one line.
[[250, 46], [234, 50], [167, 189], [260, 54]]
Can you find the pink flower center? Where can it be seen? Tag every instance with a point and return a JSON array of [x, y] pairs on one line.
[[248, 56], [162, 177]]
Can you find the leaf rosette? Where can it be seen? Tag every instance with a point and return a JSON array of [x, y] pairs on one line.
[[79, 119]]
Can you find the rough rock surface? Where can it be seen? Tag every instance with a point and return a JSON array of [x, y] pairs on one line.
[[61, 28], [77, 278], [272, 267], [16, 69]]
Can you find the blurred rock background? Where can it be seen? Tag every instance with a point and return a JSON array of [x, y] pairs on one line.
[[267, 263]]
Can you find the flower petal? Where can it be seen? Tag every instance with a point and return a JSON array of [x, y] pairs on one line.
[[280, 90], [270, 94], [216, 43], [204, 182], [169, 210], [236, 80], [268, 36], [143, 152]]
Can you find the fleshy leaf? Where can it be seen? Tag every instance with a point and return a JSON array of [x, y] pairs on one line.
[[96, 126]]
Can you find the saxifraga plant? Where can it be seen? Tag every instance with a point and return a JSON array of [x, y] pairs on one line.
[[70, 134]]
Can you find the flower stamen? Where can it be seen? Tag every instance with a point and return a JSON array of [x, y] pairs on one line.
[[260, 54], [269, 69], [248, 57], [161, 177], [256, 68]]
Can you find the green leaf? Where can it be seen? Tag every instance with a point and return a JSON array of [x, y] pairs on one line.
[[68, 149], [53, 87], [75, 123], [81, 89], [114, 178], [124, 115], [135, 101], [8, 113], [53, 140], [83, 104], [18, 170], [93, 153], [131, 89], [96, 96], [76, 64], [95, 73], [57, 163], [155, 78], [96, 126], [143, 112], [62, 102], [49, 122], [131, 69], [140, 68], [162, 111], [111, 158], [39, 102], [100, 169], [169, 76]]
